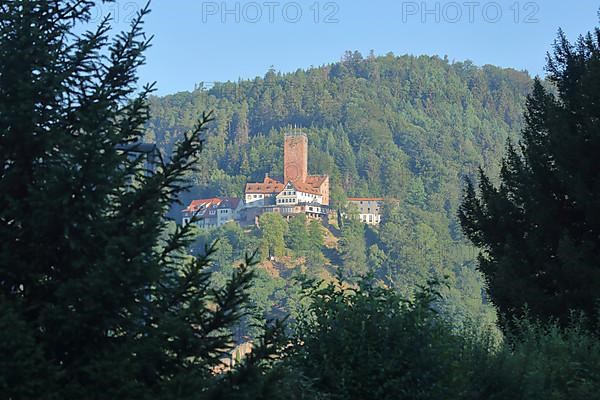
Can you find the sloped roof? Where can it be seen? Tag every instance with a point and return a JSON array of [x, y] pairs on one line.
[[269, 185], [306, 188], [230, 202], [203, 206], [301, 187], [316, 180], [196, 205]]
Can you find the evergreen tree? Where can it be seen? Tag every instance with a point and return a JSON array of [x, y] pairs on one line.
[[97, 300], [273, 229], [242, 127], [539, 230]]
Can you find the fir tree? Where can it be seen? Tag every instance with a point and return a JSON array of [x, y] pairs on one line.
[[96, 301], [242, 128], [539, 230]]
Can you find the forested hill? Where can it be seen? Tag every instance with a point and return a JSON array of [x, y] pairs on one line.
[[403, 127]]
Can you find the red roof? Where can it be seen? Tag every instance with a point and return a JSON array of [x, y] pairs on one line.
[[316, 180], [306, 188], [203, 205], [195, 205], [269, 185]]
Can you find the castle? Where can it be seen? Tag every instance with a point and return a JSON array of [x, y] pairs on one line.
[[296, 193]]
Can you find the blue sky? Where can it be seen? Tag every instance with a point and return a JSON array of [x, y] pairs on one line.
[[206, 41]]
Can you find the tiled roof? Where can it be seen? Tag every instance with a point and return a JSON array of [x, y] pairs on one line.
[[306, 188], [203, 206], [195, 205], [316, 180], [263, 188], [269, 185]]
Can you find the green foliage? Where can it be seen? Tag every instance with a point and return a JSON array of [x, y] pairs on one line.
[[401, 127], [297, 237], [542, 361], [367, 342], [353, 248], [98, 299], [413, 131], [273, 228], [24, 373], [538, 230], [306, 239], [316, 243]]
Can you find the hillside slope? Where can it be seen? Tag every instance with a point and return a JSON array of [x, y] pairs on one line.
[[390, 126], [408, 128]]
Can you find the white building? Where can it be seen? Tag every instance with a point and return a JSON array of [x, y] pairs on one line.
[[213, 212], [369, 209], [263, 193], [296, 193]]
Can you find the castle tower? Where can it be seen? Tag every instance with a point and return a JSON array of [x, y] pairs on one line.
[[295, 158]]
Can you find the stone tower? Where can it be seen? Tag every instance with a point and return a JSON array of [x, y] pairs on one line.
[[295, 158]]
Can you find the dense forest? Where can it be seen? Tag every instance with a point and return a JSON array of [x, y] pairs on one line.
[[402, 127], [406, 128]]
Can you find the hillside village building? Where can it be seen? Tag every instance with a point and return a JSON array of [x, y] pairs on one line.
[[213, 213], [296, 193], [369, 209]]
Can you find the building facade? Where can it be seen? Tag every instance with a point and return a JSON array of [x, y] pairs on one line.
[[296, 193], [213, 212], [369, 209]]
